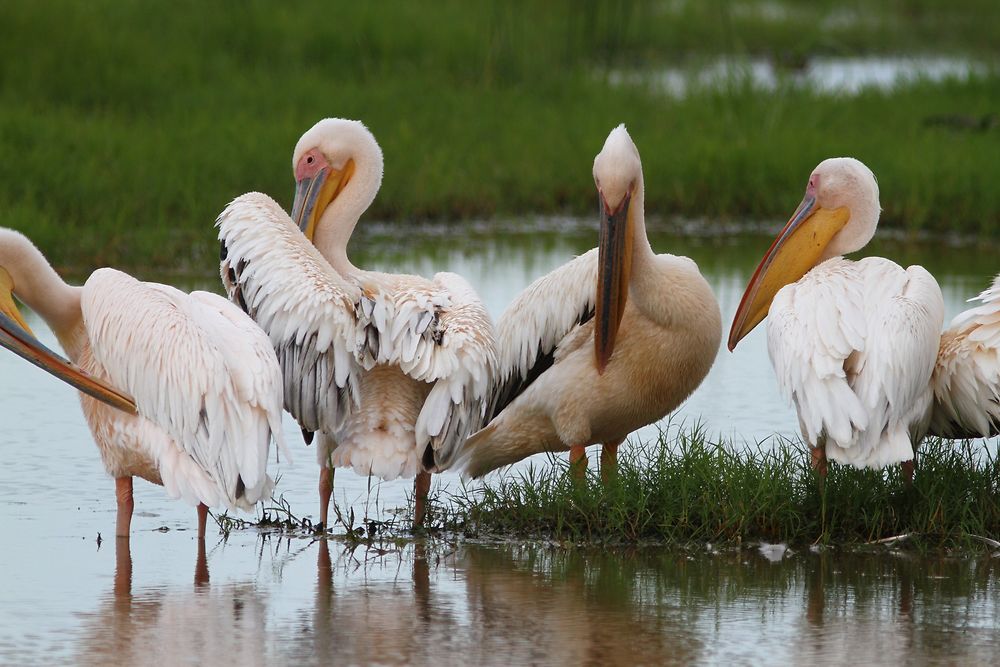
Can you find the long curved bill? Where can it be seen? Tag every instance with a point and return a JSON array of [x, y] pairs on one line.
[[613, 272], [314, 194], [796, 250], [16, 336]]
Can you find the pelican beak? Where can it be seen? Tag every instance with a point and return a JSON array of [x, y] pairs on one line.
[[613, 272], [314, 193], [16, 336], [797, 249]]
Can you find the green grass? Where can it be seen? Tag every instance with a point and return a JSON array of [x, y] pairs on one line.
[[126, 126], [687, 488]]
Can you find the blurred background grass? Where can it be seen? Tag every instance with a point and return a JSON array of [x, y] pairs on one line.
[[126, 126]]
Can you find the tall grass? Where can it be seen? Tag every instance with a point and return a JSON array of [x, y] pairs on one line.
[[686, 487], [126, 126]]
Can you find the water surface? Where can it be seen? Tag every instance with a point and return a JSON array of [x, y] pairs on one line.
[[318, 603], [823, 75]]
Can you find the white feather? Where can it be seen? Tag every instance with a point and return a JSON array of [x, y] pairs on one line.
[[204, 378], [547, 312], [433, 331], [966, 379], [853, 345], [308, 310]]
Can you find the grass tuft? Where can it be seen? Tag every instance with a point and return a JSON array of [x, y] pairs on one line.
[[685, 487]]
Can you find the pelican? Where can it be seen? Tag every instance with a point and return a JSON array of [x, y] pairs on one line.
[[392, 370], [205, 380], [612, 341], [857, 345]]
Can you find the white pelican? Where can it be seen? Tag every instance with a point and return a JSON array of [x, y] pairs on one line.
[[858, 345], [393, 370], [610, 342], [206, 383]]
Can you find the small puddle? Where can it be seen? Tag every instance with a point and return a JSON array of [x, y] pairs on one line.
[[826, 75]]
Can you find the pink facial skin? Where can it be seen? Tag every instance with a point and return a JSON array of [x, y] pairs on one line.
[[813, 185], [310, 164]]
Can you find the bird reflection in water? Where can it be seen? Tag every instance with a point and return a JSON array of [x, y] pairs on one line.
[[896, 606], [566, 607], [381, 615], [195, 624], [123, 571], [427, 602]]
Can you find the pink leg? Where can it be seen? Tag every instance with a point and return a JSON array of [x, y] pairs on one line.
[[609, 460], [907, 468], [202, 520], [123, 491], [578, 461], [819, 461], [421, 487], [325, 491]]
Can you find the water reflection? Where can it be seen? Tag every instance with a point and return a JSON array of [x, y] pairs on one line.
[[434, 603], [196, 624], [374, 605], [906, 608], [556, 607], [649, 605]]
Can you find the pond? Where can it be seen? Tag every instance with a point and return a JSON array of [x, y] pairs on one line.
[[320, 603], [69, 597]]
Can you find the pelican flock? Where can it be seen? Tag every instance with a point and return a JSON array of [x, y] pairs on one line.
[[401, 376], [857, 345], [205, 381], [610, 342], [392, 370]]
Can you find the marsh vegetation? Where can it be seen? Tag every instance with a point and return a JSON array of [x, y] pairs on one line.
[[128, 128], [686, 487]]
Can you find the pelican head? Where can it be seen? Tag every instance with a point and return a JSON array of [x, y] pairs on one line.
[[17, 336], [332, 154], [838, 215], [617, 175], [14, 249]]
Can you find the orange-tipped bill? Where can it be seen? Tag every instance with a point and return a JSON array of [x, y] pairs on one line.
[[797, 249], [314, 193], [17, 337], [613, 272]]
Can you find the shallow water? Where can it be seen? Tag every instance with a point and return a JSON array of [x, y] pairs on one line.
[[257, 601], [266, 599], [824, 75]]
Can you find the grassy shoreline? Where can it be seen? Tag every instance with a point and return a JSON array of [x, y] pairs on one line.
[[688, 492], [132, 124], [686, 488]]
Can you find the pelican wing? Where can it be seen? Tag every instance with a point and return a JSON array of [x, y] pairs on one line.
[[540, 320], [308, 310], [198, 368], [966, 379], [814, 327], [437, 332], [853, 344]]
